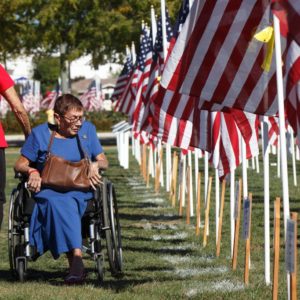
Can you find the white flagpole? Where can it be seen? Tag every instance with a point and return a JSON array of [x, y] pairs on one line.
[[285, 186], [168, 167], [196, 155], [155, 159], [206, 181], [126, 149], [161, 177], [244, 166], [217, 187], [232, 199], [183, 157], [265, 130], [257, 163], [153, 25], [133, 53], [151, 161], [278, 159], [205, 175], [163, 24], [191, 183]]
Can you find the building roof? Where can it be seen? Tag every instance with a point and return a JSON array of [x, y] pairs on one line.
[[81, 86]]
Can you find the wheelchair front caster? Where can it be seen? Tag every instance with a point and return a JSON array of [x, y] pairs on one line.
[[100, 268], [21, 270]]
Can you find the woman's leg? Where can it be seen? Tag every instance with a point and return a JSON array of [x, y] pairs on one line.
[[70, 258], [77, 267]]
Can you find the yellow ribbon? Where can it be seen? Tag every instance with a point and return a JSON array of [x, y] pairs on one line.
[[267, 36]]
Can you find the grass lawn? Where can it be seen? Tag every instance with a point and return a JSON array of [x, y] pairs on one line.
[[163, 259]]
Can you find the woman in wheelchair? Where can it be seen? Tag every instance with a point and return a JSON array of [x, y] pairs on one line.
[[56, 220]]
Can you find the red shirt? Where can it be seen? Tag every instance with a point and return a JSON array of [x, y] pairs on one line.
[[5, 83]]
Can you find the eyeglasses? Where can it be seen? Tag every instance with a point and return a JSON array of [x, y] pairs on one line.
[[74, 120]]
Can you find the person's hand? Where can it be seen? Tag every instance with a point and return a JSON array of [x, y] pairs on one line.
[[94, 175], [34, 181]]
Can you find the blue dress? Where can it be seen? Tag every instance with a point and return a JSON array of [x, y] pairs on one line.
[[56, 219]]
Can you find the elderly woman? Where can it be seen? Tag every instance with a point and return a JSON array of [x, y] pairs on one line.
[[56, 220]]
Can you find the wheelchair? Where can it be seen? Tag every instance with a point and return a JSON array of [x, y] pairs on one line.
[[100, 225]]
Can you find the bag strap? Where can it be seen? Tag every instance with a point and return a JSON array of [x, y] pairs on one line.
[[50, 143], [81, 149]]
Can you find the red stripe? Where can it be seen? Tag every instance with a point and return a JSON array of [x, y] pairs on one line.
[[215, 47], [238, 54], [190, 49], [233, 136]]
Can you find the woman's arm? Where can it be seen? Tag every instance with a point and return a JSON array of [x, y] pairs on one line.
[[102, 161], [22, 165], [17, 107]]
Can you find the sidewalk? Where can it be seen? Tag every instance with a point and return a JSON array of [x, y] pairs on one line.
[[17, 140]]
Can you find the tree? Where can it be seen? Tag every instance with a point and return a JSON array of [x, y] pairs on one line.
[[100, 28], [11, 28], [47, 71]]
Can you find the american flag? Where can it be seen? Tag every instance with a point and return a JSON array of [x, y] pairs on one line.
[[273, 133], [155, 72], [229, 129], [123, 78], [92, 98], [139, 77], [49, 100], [218, 59], [28, 98], [127, 101], [174, 127], [142, 74]]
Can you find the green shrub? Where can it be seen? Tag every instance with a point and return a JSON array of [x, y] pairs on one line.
[[102, 120]]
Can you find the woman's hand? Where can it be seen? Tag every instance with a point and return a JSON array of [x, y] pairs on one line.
[[34, 181], [94, 175]]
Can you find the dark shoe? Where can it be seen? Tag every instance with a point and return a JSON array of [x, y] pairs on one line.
[[75, 279]]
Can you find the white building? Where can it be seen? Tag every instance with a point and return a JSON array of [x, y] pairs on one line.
[[23, 67]]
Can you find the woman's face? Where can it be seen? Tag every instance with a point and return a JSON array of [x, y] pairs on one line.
[[70, 122]]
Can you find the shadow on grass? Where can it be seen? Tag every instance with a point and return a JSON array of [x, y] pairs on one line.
[[161, 251], [35, 276], [55, 278], [134, 217]]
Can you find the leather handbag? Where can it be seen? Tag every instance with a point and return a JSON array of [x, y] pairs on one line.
[[63, 175]]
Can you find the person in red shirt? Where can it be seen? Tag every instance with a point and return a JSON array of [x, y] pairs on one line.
[[8, 92]]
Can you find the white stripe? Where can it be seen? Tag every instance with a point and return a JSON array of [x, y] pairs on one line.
[[243, 71], [203, 46], [180, 44], [295, 5]]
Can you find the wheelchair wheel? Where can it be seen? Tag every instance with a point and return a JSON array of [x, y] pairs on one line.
[[115, 227], [12, 237], [111, 241], [15, 239]]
